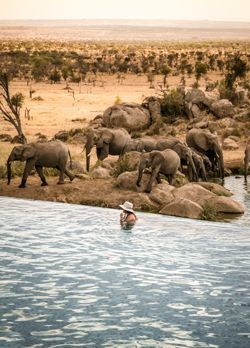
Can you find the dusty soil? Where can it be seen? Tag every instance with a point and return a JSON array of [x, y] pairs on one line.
[[94, 192]]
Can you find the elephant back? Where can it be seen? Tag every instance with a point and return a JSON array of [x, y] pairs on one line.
[[130, 116]]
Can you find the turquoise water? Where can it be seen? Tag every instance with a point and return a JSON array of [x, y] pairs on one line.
[[70, 277]]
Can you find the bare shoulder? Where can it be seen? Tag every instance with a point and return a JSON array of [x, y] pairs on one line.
[[131, 218]]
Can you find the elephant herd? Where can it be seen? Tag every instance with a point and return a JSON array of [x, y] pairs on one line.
[[200, 154]]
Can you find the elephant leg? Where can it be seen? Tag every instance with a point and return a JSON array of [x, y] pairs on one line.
[[27, 170], [170, 179], [158, 178], [155, 173], [61, 175], [39, 170], [71, 176]]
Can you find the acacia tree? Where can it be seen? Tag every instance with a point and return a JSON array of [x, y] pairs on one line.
[[10, 107]]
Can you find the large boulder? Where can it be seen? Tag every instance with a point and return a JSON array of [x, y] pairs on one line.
[[195, 96], [130, 116], [182, 207], [230, 144], [222, 108], [127, 180], [227, 205], [162, 193], [215, 188], [193, 192], [75, 167], [101, 172]]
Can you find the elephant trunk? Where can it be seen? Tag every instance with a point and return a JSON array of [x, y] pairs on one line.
[[140, 172], [192, 173], [9, 171], [221, 162]]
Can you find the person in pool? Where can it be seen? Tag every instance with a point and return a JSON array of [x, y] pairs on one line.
[[127, 216]]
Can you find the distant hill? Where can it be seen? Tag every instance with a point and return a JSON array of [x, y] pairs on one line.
[[134, 30]]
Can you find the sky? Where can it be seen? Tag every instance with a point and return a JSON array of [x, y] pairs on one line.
[[226, 10]]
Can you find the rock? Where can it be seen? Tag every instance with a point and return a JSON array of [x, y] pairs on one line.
[[193, 192], [127, 180], [226, 122], [201, 124], [101, 172], [210, 98], [238, 97], [62, 135], [227, 205], [182, 207], [195, 96], [162, 193], [235, 138], [5, 138], [222, 108], [215, 188], [75, 167], [230, 144], [196, 111], [109, 163], [243, 116], [129, 116]]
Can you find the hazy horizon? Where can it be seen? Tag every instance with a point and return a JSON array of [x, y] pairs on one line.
[[201, 10]]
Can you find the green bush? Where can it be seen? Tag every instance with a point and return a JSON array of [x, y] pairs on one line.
[[172, 103], [122, 165], [209, 212]]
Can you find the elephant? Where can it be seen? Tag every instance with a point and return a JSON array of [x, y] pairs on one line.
[[164, 162], [108, 141], [144, 144], [246, 159], [208, 144], [199, 165], [184, 153], [52, 154]]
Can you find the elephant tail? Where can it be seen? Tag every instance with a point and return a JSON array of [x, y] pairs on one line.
[[70, 158]]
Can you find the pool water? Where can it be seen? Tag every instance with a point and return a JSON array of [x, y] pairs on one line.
[[71, 277]]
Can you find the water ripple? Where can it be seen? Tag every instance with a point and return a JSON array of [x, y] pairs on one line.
[[69, 279]]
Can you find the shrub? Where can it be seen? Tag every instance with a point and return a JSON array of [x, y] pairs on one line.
[[172, 103], [209, 212], [122, 165], [118, 100]]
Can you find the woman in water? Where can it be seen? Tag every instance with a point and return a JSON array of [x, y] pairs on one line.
[[127, 216]]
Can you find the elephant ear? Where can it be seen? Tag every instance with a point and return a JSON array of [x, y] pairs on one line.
[[107, 137], [28, 152]]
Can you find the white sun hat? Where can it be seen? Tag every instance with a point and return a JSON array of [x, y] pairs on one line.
[[127, 206]]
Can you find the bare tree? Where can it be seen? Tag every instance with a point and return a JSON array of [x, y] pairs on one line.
[[10, 107]]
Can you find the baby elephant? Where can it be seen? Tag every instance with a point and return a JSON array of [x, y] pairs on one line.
[[53, 154], [164, 162]]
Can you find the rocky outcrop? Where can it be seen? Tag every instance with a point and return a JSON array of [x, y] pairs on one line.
[[227, 205], [215, 188], [230, 144], [193, 192], [162, 193], [182, 207], [130, 116], [101, 172], [222, 108]]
